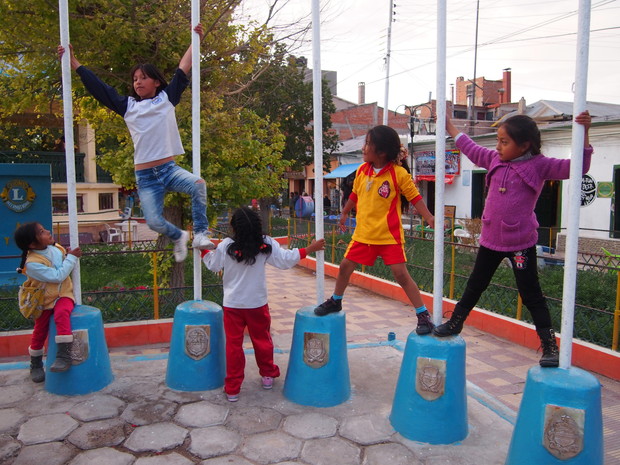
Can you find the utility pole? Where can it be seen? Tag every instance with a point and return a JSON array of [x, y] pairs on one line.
[[387, 64], [472, 103]]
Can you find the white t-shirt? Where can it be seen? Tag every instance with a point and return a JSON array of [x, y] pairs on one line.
[[245, 286]]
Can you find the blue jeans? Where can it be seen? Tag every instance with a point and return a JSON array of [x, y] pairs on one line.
[[153, 183]]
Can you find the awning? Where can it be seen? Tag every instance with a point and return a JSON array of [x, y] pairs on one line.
[[431, 177], [342, 171]]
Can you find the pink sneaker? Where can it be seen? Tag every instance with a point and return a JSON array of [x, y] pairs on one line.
[[267, 382], [232, 397]]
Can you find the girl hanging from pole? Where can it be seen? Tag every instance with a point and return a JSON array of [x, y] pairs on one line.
[[517, 172], [150, 117]]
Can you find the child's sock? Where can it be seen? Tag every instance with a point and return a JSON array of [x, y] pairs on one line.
[[337, 297], [419, 310]]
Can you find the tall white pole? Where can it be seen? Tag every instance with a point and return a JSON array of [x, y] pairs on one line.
[[387, 65], [574, 188], [196, 131], [317, 103], [67, 102], [440, 165]]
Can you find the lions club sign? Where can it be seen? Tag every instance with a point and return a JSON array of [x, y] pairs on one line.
[[18, 195]]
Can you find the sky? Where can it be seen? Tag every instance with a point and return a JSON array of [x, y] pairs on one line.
[[535, 38]]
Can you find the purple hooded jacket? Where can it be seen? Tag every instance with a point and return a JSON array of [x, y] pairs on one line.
[[508, 220]]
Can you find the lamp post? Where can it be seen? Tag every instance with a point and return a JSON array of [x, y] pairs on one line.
[[418, 125]]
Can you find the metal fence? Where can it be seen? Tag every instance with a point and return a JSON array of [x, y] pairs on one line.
[[124, 280], [597, 313]]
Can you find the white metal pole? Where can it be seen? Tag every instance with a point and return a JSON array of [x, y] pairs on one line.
[[574, 188], [67, 102], [387, 65], [196, 131], [317, 103], [440, 165]]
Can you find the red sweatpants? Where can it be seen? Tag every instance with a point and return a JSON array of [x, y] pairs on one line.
[[62, 317], [258, 322]]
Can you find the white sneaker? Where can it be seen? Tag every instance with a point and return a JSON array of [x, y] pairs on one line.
[[202, 241], [180, 247]]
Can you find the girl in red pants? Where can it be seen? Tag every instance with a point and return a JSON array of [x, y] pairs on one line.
[[243, 258], [48, 266]]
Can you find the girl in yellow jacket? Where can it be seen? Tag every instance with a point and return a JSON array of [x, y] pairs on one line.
[[48, 266]]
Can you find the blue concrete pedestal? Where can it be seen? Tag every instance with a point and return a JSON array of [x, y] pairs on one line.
[[91, 370], [318, 366], [430, 402], [560, 419], [197, 359]]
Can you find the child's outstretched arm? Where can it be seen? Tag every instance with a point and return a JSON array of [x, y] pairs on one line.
[[423, 210], [585, 120], [451, 128], [345, 213], [186, 62], [316, 245]]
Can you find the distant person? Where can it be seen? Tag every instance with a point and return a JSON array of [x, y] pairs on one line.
[[243, 258], [150, 118], [377, 189], [517, 172], [295, 200], [48, 267], [327, 204]]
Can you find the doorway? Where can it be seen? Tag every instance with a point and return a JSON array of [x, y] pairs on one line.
[[548, 213], [478, 193], [615, 207]]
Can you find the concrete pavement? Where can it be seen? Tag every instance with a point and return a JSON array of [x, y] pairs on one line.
[[138, 420]]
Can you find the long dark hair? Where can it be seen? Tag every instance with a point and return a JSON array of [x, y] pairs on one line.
[[523, 129], [150, 71], [248, 236], [25, 235], [386, 140]]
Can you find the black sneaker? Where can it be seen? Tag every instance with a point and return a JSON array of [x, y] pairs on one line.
[[329, 306], [425, 325], [452, 327]]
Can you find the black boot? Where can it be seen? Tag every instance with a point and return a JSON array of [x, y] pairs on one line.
[[63, 358], [37, 374], [551, 354], [454, 325]]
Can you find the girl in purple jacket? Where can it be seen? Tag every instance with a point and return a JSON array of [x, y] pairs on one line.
[[516, 173]]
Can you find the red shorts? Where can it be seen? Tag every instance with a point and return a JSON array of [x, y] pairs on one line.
[[366, 254]]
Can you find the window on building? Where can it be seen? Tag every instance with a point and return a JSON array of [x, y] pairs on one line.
[[60, 204], [106, 201], [460, 114]]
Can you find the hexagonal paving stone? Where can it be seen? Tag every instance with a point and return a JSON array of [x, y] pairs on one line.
[[105, 455], [201, 414], [394, 454], [168, 459], [100, 407], [146, 412], [8, 447], [213, 441], [323, 451], [10, 419], [156, 438], [311, 425], [254, 420], [97, 434], [226, 460], [367, 429], [272, 447], [46, 428], [14, 394], [53, 453]]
